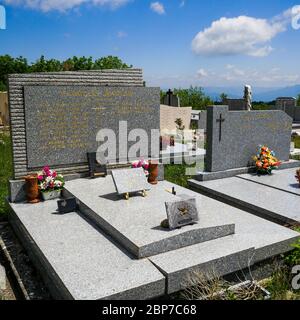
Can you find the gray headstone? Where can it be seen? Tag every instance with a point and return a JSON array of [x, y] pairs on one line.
[[181, 213], [130, 180], [236, 104], [233, 137], [171, 99], [62, 122]]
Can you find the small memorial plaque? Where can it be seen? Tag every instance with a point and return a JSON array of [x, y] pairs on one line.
[[67, 205], [130, 180], [96, 168], [182, 213]]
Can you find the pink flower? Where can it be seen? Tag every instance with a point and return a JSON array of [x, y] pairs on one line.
[[135, 164], [146, 166], [46, 169], [40, 178], [54, 174]]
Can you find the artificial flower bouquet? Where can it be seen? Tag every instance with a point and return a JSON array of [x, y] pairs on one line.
[[141, 164], [50, 183], [265, 160]]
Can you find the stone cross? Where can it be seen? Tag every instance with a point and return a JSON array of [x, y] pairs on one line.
[[169, 94], [220, 120]]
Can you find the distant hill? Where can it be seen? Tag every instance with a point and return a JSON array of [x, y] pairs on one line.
[[259, 94]]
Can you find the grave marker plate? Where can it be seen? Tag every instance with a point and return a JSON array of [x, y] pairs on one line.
[[182, 213], [62, 122], [130, 180]]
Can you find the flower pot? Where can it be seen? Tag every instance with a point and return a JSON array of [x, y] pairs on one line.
[[153, 173], [32, 189], [50, 195]]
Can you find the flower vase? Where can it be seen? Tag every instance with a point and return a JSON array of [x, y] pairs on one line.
[[297, 176], [32, 188], [153, 173], [50, 195]]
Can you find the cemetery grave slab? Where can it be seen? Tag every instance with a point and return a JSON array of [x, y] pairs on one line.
[[207, 176], [79, 261], [135, 223], [283, 180], [82, 262], [255, 240], [265, 200]]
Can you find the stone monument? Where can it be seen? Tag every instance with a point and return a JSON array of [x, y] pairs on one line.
[[248, 97]]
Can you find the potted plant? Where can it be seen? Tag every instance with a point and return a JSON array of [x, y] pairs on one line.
[[50, 184], [297, 176], [265, 161]]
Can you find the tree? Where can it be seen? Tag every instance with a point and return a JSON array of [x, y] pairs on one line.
[[110, 62], [193, 97], [76, 64], [223, 97], [298, 100], [43, 65], [10, 65]]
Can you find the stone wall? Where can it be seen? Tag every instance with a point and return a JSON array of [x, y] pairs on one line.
[[168, 115], [16, 83], [236, 104]]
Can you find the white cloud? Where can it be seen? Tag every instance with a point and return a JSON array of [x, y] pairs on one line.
[[122, 34], [201, 73], [239, 35], [232, 75], [63, 5], [158, 7]]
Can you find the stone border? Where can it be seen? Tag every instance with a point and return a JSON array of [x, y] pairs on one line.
[[207, 176], [16, 82]]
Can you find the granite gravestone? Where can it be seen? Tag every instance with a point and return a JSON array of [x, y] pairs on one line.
[[171, 99], [130, 180], [96, 168], [233, 137], [62, 122], [181, 213]]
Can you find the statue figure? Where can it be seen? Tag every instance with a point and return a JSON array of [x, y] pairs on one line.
[[248, 97]]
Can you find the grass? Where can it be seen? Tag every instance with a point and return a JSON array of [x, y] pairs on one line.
[[5, 170], [297, 145], [297, 141], [176, 174]]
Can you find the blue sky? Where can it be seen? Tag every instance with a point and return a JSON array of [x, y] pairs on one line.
[[176, 43]]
